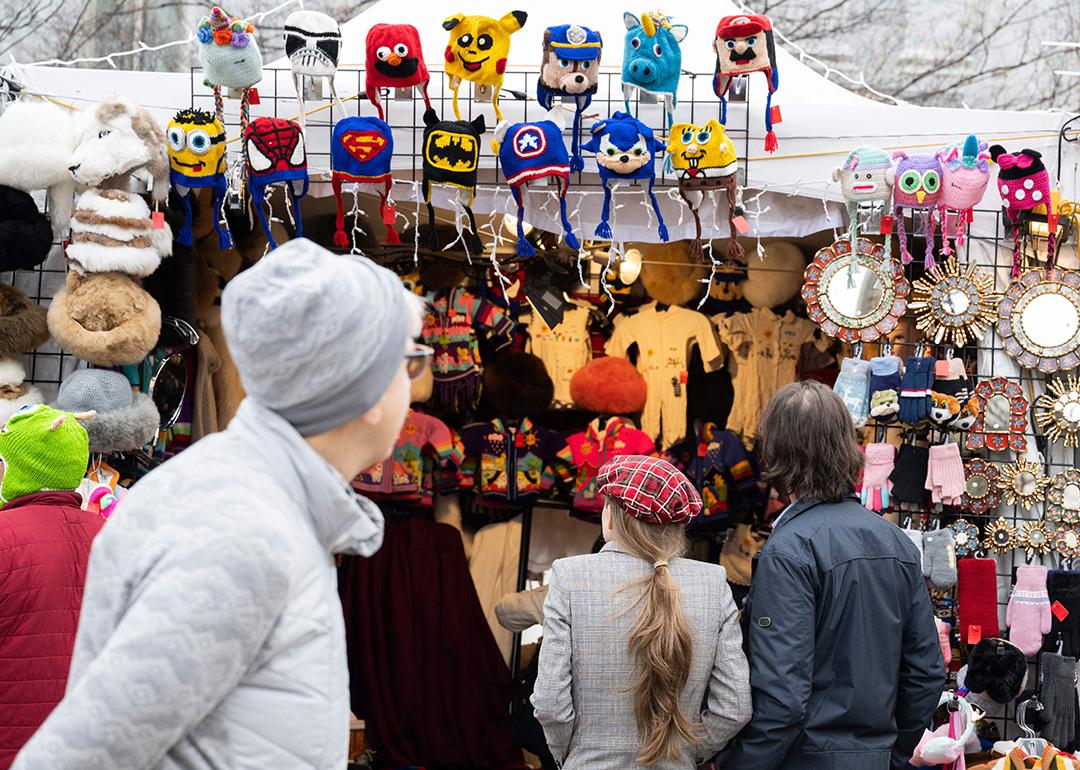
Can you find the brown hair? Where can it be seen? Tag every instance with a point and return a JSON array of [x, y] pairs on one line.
[[808, 444], [660, 640]]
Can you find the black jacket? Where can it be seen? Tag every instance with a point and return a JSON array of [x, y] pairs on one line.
[[845, 662]]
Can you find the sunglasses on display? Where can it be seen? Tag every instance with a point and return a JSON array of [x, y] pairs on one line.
[[418, 360]]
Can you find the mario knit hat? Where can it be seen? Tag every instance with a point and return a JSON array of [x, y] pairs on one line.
[[649, 489], [42, 449], [25, 233], [274, 148], [361, 150], [531, 151], [744, 44]]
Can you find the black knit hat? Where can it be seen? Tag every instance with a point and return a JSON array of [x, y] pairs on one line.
[[25, 233]]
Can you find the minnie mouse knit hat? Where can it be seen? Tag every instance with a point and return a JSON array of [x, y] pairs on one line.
[[649, 489]]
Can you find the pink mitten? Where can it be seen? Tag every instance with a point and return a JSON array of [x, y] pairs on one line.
[[945, 474], [876, 484], [943, 630], [1028, 614]]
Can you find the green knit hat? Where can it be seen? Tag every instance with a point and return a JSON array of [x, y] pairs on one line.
[[42, 449]]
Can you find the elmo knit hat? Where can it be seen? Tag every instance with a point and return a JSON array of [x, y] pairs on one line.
[[649, 489]]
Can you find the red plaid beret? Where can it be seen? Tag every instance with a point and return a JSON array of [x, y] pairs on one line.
[[649, 489]]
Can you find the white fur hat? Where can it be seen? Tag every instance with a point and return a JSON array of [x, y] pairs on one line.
[[36, 140], [14, 393], [111, 231]]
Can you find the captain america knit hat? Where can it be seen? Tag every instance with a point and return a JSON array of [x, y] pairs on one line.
[[649, 489]]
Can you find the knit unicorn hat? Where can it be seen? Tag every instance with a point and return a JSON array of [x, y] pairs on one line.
[[229, 52], [744, 44], [652, 59], [965, 171], [361, 150]]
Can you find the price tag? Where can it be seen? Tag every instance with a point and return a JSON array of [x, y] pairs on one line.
[[683, 377], [389, 215], [157, 220], [774, 114], [1059, 611], [974, 634], [741, 225], [702, 450], [886, 225], [253, 96], [1052, 223]]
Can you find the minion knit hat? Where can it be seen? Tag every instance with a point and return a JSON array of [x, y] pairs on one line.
[[42, 449]]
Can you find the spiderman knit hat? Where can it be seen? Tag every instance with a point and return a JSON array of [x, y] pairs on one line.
[[530, 151], [649, 489], [275, 152], [360, 152]]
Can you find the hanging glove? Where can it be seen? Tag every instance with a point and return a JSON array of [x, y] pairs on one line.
[[939, 558], [945, 474], [853, 387], [1028, 614], [909, 475], [876, 484], [915, 390], [1058, 695]]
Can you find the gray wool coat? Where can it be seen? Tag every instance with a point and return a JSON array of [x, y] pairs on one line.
[[582, 695]]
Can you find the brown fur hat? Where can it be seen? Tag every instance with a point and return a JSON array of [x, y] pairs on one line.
[[678, 280], [517, 385], [22, 323], [105, 319], [609, 385]]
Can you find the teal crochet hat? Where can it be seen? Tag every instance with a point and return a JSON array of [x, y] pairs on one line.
[[42, 449]]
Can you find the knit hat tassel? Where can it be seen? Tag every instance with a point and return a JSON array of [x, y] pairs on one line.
[[392, 237], [901, 234], [341, 240], [603, 230], [568, 230], [662, 229], [224, 237], [928, 232], [771, 144], [524, 248], [185, 236]]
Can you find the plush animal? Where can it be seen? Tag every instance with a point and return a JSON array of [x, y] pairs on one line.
[[477, 51], [652, 59], [965, 173], [866, 177], [116, 140], [197, 159], [884, 404], [275, 152], [528, 152], [571, 67], [968, 414], [917, 186], [744, 44], [451, 157], [394, 59], [944, 409], [704, 158], [36, 140], [361, 150], [312, 43], [1024, 184], [625, 149]]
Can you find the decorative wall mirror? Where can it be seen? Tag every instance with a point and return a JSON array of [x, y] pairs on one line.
[[1002, 416], [1057, 412], [1000, 536], [855, 295], [965, 536], [952, 305], [1039, 320], [168, 386], [1063, 498], [981, 494], [1067, 542], [1034, 538], [1023, 483]]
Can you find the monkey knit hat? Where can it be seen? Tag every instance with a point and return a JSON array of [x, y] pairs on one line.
[[530, 151], [394, 59], [744, 44], [360, 152], [42, 449], [275, 152]]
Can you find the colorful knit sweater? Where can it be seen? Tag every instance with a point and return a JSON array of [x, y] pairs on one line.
[[514, 463], [594, 447], [426, 459], [716, 461]]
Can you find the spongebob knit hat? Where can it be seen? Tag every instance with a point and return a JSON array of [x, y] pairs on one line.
[[42, 449]]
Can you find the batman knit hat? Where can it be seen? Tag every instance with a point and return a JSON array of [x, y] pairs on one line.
[[316, 337], [42, 449]]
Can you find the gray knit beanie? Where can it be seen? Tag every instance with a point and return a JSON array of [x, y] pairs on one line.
[[316, 337]]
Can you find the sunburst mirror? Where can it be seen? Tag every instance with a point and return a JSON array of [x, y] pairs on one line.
[[1057, 412], [1063, 498], [954, 305], [1034, 538], [1000, 536], [1023, 483], [1039, 320]]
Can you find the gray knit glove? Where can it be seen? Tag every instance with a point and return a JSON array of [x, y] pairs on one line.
[[939, 558], [1058, 695]]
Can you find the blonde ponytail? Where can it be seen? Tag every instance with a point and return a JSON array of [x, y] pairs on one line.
[[660, 641]]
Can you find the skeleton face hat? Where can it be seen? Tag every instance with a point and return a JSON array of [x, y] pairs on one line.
[[312, 43]]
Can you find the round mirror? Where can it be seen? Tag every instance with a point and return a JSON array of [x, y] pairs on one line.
[[955, 302], [856, 291], [1025, 484], [1071, 412], [998, 414], [977, 486], [168, 386], [1070, 498], [1050, 320]]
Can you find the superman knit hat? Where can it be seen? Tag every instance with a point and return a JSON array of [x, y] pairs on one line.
[[649, 489], [361, 150]]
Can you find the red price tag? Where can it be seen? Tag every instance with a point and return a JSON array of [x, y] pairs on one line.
[[774, 114], [157, 220], [1052, 223], [1059, 611], [253, 96], [974, 634], [702, 450], [683, 377], [741, 224], [389, 215], [886, 225]]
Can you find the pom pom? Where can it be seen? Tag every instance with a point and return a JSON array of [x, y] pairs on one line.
[[603, 231], [205, 35], [223, 36], [392, 237], [240, 39], [185, 237], [609, 385], [524, 248], [577, 164], [237, 25], [771, 144], [341, 240]]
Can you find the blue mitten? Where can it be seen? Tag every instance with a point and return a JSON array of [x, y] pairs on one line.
[[853, 387], [915, 390]]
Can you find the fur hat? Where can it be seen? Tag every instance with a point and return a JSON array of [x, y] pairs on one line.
[[111, 231], [518, 385], [668, 273], [115, 139], [609, 385], [25, 234], [998, 668], [105, 319], [36, 140], [22, 323], [775, 279], [14, 392], [125, 420]]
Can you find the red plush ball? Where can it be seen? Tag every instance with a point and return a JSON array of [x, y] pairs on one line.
[[609, 385]]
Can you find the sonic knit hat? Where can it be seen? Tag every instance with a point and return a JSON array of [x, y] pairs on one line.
[[354, 308], [649, 489], [25, 233], [361, 150], [42, 449], [125, 421]]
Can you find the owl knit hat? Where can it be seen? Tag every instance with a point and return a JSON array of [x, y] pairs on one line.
[[917, 186], [740, 50], [361, 150], [394, 59], [274, 148], [43, 449], [197, 159], [531, 151]]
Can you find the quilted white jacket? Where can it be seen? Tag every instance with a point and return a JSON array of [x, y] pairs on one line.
[[211, 635]]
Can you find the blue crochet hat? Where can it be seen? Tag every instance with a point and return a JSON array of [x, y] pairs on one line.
[[275, 152], [574, 42], [530, 151], [361, 150], [652, 59]]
